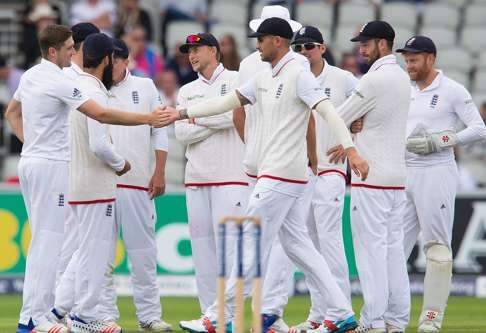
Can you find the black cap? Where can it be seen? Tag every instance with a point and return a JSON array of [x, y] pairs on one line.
[[120, 49], [3, 61], [375, 29], [308, 34], [274, 26], [419, 44], [202, 38], [98, 45], [83, 30]]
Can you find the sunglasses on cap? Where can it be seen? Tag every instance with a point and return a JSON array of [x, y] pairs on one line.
[[307, 46], [193, 39]]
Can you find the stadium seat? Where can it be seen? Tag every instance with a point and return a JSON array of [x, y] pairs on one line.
[[177, 32], [459, 77], [318, 14], [473, 38], [456, 3], [229, 12], [475, 15], [342, 38], [401, 14], [355, 14], [479, 97], [481, 61], [257, 9], [402, 34], [239, 32], [480, 82], [442, 37], [455, 58], [440, 15]]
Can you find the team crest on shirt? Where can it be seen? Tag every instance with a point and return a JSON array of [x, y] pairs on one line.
[[60, 202], [109, 210], [327, 91], [279, 91], [434, 101], [77, 93], [135, 97], [224, 89]]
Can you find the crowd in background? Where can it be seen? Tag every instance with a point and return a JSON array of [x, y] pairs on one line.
[[149, 56]]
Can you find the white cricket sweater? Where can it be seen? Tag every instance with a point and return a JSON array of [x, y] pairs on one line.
[[214, 150], [137, 143], [338, 85], [383, 98]]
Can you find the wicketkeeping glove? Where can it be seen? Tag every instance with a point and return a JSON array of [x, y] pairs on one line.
[[424, 143]]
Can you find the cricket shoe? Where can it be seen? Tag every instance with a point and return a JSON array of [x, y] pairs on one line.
[[21, 328], [394, 329], [364, 329], [273, 324], [94, 326], [202, 325], [157, 325], [50, 327], [430, 321], [305, 326], [338, 326]]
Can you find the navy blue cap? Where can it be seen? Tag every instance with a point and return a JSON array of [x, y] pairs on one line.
[[98, 45], [120, 49], [308, 34], [375, 29], [202, 38], [419, 44], [83, 30], [274, 26]]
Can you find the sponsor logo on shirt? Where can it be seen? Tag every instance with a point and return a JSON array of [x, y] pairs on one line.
[[109, 210], [434, 101], [77, 93], [327, 91], [357, 93], [224, 89], [279, 91], [135, 98], [190, 98]]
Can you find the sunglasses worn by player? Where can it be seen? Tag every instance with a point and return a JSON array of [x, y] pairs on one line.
[[307, 46]]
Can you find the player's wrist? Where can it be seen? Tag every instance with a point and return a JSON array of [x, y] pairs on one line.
[[183, 114]]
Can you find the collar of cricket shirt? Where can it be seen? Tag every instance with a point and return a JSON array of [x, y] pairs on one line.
[[95, 81], [125, 78], [390, 59], [288, 57], [434, 85], [50, 65], [217, 72], [325, 71], [76, 68]]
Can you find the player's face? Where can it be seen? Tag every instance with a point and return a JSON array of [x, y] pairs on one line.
[[119, 69], [200, 57], [369, 51], [266, 46], [418, 65], [312, 51], [64, 54]]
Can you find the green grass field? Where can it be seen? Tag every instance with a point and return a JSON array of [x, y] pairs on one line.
[[464, 314]]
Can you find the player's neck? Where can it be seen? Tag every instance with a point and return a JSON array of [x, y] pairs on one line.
[[280, 54], [96, 72], [317, 67], [208, 72], [78, 59], [429, 78]]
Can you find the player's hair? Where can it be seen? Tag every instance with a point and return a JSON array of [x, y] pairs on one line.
[[77, 46], [91, 62], [390, 44], [53, 35]]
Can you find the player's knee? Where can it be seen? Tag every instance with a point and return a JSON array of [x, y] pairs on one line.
[[439, 253]]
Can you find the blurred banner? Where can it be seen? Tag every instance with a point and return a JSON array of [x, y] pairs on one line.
[[175, 267]]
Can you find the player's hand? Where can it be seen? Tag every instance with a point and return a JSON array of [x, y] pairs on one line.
[[313, 164], [357, 163], [169, 115], [336, 154], [125, 169], [156, 185], [156, 117], [357, 126]]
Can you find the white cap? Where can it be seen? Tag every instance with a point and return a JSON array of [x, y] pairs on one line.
[[274, 11], [42, 11]]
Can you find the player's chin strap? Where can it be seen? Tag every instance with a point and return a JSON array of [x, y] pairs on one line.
[[422, 142]]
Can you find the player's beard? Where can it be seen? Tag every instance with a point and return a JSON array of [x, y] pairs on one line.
[[107, 77]]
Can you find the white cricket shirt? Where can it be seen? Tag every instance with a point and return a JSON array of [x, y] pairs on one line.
[[214, 150], [439, 107], [137, 143], [249, 67], [382, 96], [92, 177], [284, 96], [338, 85], [47, 96]]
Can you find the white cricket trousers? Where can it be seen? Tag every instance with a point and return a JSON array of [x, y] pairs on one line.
[[206, 205], [326, 231], [431, 195], [377, 227], [281, 216], [44, 186]]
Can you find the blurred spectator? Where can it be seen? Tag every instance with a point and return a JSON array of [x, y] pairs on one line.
[[350, 63], [146, 62], [182, 67], [10, 76], [130, 15], [168, 87], [229, 53], [40, 15], [101, 13]]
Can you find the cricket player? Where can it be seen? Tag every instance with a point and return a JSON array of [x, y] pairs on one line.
[[215, 183], [437, 104], [285, 94], [382, 99], [136, 190], [38, 115], [325, 219]]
